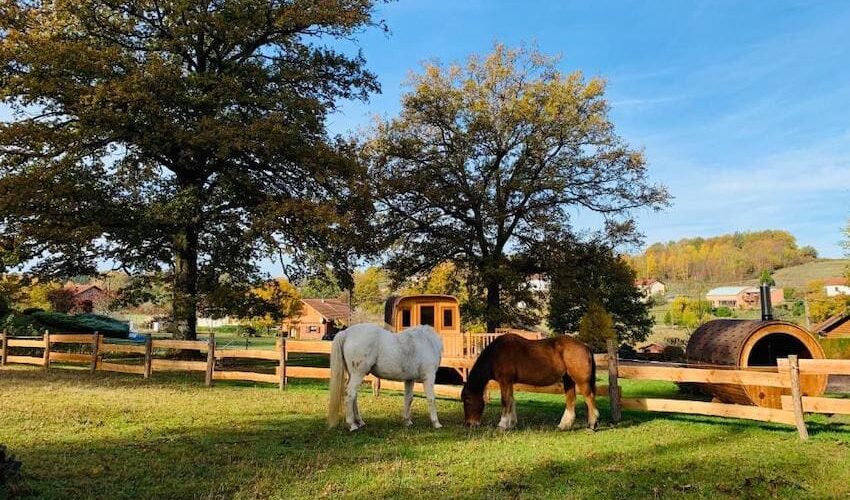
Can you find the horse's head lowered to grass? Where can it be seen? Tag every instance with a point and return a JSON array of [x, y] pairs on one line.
[[473, 407]]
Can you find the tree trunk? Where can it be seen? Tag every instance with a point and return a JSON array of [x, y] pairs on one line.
[[185, 296], [494, 307]]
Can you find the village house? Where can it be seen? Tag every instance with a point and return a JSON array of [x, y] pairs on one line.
[[84, 297], [836, 286], [538, 283], [649, 287], [741, 297], [835, 327], [652, 349], [319, 319]]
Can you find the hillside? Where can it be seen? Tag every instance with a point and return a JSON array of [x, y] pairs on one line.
[[717, 259], [798, 276], [789, 277]]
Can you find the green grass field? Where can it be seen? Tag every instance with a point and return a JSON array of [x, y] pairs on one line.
[[798, 276], [113, 436]]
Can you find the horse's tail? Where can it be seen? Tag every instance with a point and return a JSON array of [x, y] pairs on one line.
[[592, 371], [337, 382]]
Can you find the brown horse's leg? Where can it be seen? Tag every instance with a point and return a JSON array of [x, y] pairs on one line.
[[590, 400], [506, 422], [570, 411]]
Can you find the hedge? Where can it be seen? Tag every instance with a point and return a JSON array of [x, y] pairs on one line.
[[836, 348], [35, 322]]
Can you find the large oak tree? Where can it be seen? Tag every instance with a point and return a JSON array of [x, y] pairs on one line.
[[489, 159], [186, 135]]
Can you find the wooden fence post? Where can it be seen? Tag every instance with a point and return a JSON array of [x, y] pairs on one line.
[[95, 347], [46, 355], [797, 396], [282, 363], [210, 359], [5, 337], [613, 387], [148, 355]]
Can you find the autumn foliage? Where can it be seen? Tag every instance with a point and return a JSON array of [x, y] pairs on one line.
[[730, 257]]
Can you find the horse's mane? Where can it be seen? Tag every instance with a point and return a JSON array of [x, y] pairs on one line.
[[482, 370]]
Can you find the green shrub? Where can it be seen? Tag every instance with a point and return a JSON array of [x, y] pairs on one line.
[[82, 323], [722, 312], [836, 348], [5, 305], [20, 324], [37, 321]]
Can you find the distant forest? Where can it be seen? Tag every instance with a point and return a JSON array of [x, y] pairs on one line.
[[731, 257]]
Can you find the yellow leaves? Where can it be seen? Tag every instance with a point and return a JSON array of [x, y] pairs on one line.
[[282, 293]]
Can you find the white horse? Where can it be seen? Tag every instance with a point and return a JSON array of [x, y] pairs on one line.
[[410, 356]]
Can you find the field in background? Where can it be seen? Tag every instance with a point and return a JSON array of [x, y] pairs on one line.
[[798, 276], [114, 436]]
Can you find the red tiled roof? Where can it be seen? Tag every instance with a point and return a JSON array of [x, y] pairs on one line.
[[835, 281], [78, 289], [330, 309]]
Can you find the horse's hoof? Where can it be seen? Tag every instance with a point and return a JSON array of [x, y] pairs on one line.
[[408, 422], [353, 427], [437, 425]]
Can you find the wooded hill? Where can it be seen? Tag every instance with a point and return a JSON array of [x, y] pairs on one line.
[[732, 257]]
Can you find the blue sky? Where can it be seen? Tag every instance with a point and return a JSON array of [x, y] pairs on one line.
[[741, 107]]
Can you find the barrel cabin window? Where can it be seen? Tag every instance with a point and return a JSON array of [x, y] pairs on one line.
[[405, 318]]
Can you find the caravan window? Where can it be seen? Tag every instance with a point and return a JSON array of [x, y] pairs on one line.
[[426, 315], [448, 318]]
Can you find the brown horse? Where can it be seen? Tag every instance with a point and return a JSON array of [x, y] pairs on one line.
[[511, 359]]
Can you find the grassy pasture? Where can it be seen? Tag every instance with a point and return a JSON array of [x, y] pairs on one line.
[[101, 435]]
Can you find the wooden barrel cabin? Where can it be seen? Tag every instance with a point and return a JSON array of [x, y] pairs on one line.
[[440, 311], [754, 344]]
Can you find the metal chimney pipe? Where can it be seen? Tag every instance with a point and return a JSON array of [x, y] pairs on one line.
[[766, 306]]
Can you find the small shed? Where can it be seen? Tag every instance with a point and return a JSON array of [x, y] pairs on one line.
[[318, 319], [835, 327], [440, 311]]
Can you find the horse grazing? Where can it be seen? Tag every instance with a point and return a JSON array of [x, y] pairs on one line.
[[410, 356], [512, 359]]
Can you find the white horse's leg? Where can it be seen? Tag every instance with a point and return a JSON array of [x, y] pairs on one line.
[[408, 400], [432, 401], [357, 418], [354, 381]]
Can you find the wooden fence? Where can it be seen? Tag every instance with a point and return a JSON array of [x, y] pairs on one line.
[[786, 375], [144, 363], [142, 360]]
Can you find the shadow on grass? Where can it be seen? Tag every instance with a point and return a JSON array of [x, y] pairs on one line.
[[298, 457], [288, 454]]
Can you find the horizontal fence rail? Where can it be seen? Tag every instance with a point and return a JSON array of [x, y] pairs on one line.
[[459, 354]]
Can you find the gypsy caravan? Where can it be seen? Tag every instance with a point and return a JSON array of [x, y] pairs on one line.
[[440, 311]]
